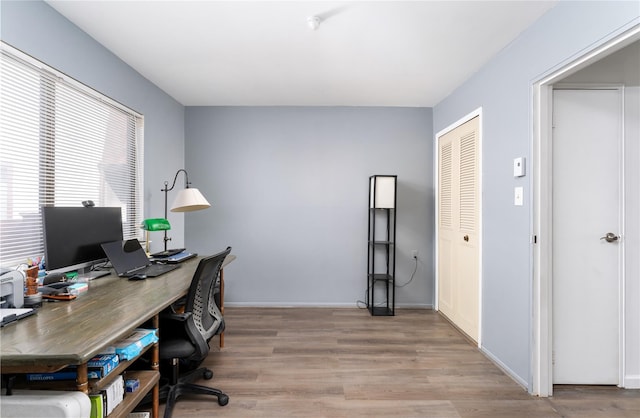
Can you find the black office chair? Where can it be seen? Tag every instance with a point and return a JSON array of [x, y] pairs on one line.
[[184, 337]]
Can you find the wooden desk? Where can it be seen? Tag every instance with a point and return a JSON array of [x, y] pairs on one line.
[[71, 333]]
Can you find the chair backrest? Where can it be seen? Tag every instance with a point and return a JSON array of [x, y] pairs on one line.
[[205, 319]]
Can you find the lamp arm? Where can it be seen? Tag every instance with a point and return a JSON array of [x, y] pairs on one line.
[[166, 183], [166, 191]]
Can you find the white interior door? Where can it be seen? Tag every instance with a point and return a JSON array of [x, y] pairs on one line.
[[458, 226], [587, 198]]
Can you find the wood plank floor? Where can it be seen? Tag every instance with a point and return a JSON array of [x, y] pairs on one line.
[[324, 362]]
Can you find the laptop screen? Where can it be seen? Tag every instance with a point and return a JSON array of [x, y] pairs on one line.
[[126, 256]]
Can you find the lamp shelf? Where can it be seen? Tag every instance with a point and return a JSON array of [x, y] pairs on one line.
[[381, 311], [380, 277]]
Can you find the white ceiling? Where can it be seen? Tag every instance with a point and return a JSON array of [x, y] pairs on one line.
[[364, 53]]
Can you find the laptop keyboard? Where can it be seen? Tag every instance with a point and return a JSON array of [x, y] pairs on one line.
[[157, 269]]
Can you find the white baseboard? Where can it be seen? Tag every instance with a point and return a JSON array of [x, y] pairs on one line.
[[288, 305], [631, 382], [505, 368], [315, 305], [414, 306]]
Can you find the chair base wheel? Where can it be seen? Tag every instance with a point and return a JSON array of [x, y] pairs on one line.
[[207, 374], [223, 400]]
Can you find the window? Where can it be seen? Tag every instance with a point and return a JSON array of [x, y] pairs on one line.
[[61, 143]]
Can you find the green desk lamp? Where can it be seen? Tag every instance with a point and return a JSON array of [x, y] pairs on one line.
[[154, 224]]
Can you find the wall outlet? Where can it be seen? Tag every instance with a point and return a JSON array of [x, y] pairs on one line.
[[414, 253]]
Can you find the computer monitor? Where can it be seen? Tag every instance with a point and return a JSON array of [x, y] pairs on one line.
[[72, 236]]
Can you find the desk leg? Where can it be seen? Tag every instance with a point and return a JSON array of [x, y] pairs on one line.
[[155, 365], [82, 380], [222, 304]]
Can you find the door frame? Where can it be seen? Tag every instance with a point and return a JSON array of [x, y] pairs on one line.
[[542, 343], [436, 167]]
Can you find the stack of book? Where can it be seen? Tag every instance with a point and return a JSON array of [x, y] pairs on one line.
[[133, 345], [103, 403], [98, 367]]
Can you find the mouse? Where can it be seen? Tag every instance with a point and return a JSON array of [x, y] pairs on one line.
[[138, 277]]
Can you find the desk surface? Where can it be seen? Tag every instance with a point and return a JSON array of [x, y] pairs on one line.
[[72, 332]]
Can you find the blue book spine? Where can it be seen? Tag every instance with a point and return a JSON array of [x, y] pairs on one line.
[[45, 377]]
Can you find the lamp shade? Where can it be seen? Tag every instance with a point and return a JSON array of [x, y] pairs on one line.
[[188, 200], [383, 192], [155, 224]]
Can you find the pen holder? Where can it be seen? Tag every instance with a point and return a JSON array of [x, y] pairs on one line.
[[32, 280]]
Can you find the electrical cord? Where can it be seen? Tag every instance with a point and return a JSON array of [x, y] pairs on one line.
[[363, 304], [415, 269]]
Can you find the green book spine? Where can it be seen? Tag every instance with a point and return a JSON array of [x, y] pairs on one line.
[[96, 406]]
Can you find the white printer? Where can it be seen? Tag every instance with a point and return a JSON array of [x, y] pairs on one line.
[[12, 289]]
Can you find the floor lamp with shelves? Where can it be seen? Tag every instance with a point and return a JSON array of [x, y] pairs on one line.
[[381, 254]]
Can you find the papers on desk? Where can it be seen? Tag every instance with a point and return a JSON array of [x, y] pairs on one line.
[[9, 315]]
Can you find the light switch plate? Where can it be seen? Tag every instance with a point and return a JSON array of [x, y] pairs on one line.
[[518, 196]]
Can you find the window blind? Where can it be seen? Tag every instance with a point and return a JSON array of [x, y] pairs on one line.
[[61, 143]]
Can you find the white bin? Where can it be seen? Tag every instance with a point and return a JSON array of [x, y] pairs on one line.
[[45, 404]]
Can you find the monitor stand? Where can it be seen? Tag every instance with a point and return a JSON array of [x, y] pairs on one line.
[[90, 275]]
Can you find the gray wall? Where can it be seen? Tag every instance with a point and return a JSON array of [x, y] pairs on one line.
[[38, 30], [289, 188], [503, 90]]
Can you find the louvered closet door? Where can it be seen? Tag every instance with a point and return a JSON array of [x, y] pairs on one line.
[[458, 247]]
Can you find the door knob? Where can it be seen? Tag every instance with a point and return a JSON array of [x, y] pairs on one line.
[[466, 238], [610, 237]]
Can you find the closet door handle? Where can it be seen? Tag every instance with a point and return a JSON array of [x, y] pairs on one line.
[[610, 237]]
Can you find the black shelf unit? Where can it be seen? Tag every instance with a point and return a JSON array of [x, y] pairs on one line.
[[381, 254]]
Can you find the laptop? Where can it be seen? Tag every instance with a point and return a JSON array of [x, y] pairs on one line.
[[129, 259], [10, 315]]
